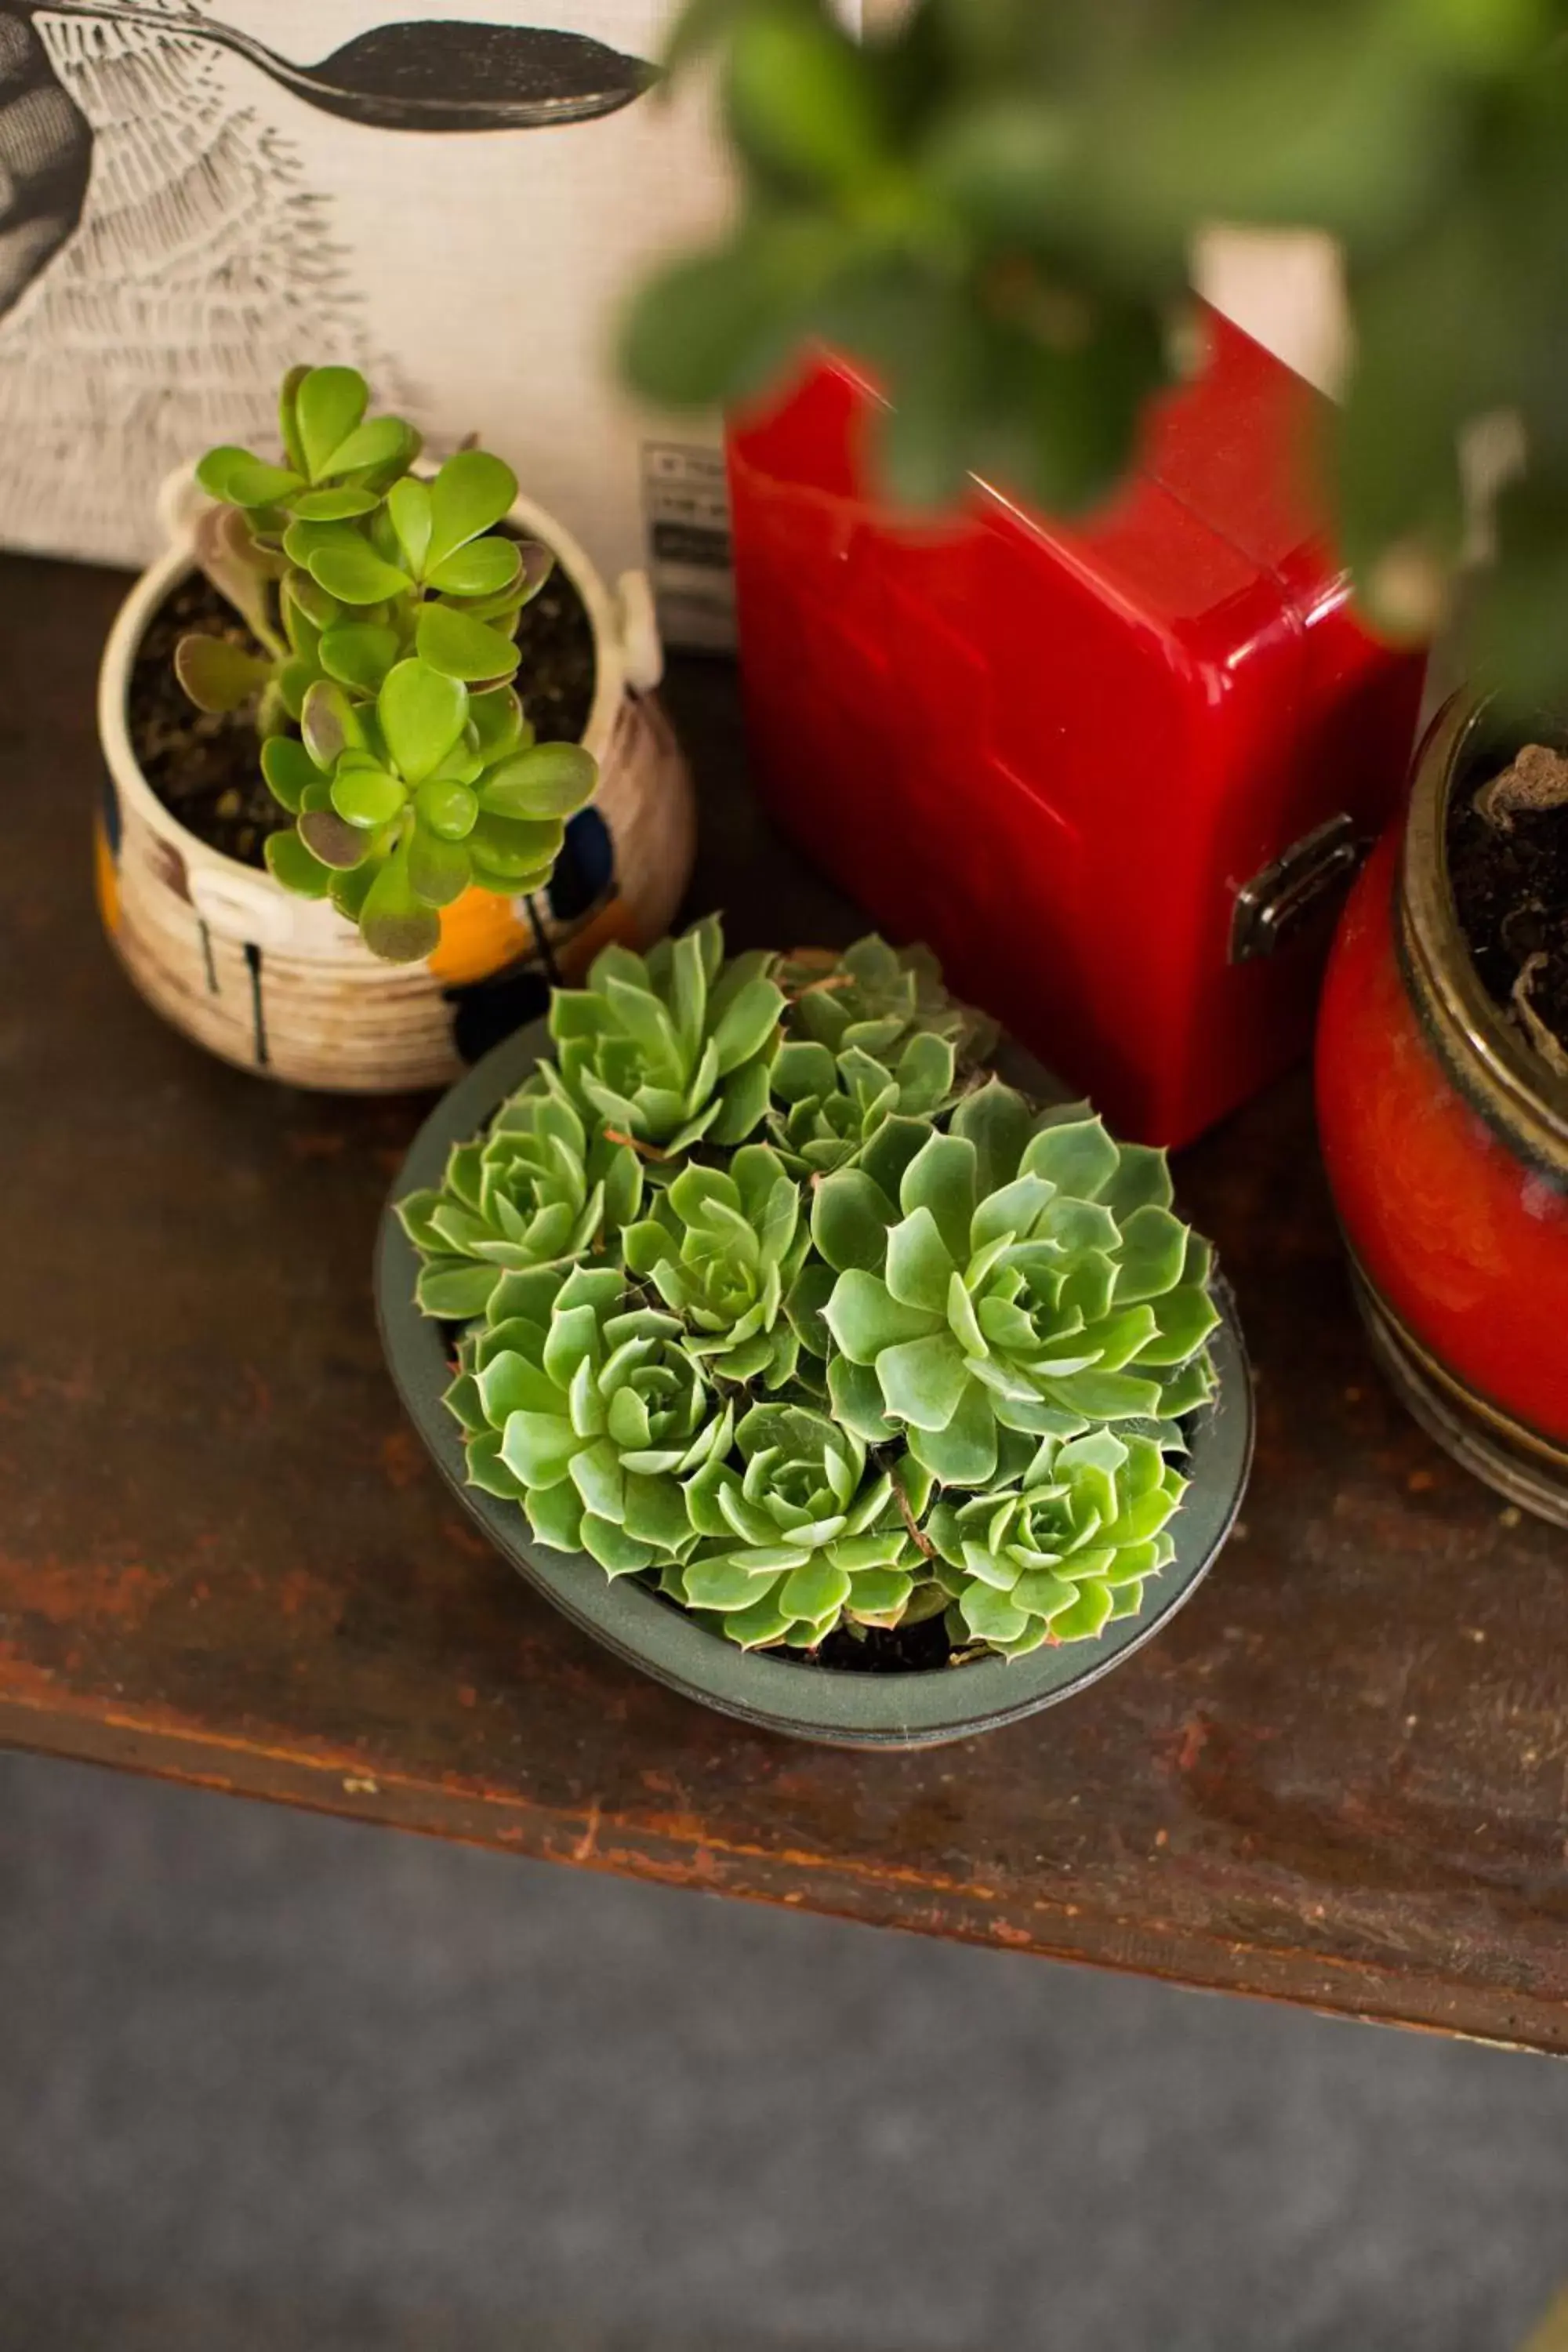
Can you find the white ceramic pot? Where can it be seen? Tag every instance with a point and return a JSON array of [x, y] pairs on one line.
[[284, 986]]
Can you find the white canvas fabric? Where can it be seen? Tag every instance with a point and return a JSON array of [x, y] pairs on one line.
[[175, 229]]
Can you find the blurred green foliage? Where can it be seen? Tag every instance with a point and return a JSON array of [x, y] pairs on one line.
[[993, 202]]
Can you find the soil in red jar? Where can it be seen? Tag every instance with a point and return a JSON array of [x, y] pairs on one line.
[[204, 765], [1511, 893]]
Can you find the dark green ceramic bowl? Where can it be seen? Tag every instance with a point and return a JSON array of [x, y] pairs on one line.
[[848, 1710]]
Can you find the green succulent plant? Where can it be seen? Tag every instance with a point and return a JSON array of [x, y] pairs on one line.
[[583, 1404], [827, 1106], [805, 1535], [385, 607], [939, 1381], [723, 1247], [1062, 1544], [1022, 1271], [674, 1048], [875, 997], [534, 1191]]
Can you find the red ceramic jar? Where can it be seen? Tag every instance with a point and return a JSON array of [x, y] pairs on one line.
[[1446, 1149]]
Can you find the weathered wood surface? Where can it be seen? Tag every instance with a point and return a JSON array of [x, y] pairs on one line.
[[1339, 1776]]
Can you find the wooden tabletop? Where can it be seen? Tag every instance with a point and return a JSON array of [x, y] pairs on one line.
[[1338, 1777]]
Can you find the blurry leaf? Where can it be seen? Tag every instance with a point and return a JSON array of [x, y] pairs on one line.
[[294, 681], [328, 405], [290, 863], [312, 599], [408, 504], [358, 653], [448, 808], [470, 494], [700, 25], [725, 322], [227, 554], [461, 647], [514, 848], [328, 837], [288, 418], [538, 562], [498, 721], [356, 574], [327, 723], [331, 505], [1064, 415], [244, 480], [437, 869], [303, 539], [368, 797], [394, 923], [384, 441], [349, 889], [483, 568], [924, 443], [1000, 160], [289, 770], [553, 779], [218, 676], [422, 712], [1269, 114], [802, 100], [1518, 628]]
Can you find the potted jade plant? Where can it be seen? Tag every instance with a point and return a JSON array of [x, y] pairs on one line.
[[1443, 1098], [384, 757], [800, 1358]]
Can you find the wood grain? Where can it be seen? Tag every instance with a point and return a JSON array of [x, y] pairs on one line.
[[1338, 1778]]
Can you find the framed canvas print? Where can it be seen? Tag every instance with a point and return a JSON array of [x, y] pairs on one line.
[[193, 197]]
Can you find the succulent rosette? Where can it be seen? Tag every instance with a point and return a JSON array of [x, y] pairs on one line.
[[877, 997], [806, 1534], [532, 1191], [925, 1354], [827, 1106], [582, 1404], [1063, 1544], [671, 1049], [1024, 1272], [722, 1248]]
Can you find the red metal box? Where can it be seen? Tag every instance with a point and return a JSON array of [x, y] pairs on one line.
[[1111, 772]]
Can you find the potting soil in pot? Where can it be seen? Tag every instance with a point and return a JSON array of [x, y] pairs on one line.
[[204, 765], [1508, 861]]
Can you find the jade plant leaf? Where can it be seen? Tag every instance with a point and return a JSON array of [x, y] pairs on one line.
[[461, 647], [385, 714], [472, 492], [422, 713]]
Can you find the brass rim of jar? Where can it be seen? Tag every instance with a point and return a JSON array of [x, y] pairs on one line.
[[1524, 1103]]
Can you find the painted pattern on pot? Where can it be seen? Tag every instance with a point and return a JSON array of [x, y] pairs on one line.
[[284, 986], [1446, 1148]]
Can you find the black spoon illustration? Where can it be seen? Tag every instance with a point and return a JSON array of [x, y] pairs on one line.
[[432, 76]]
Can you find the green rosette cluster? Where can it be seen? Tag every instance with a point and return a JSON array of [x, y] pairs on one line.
[[934, 1360], [1063, 1544], [877, 997], [805, 1535], [827, 1107], [533, 1191], [581, 1403], [672, 1049], [1020, 1271], [723, 1247]]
